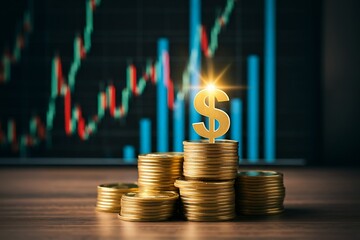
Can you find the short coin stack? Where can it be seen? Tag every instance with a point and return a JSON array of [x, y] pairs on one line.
[[260, 192], [207, 201], [210, 161], [109, 196], [158, 171], [148, 206]]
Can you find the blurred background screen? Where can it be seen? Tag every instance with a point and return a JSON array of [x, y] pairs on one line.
[[98, 82]]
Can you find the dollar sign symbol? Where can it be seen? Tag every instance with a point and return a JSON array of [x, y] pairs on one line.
[[211, 112]]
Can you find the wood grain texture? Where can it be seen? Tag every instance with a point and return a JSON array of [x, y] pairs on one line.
[[58, 203]]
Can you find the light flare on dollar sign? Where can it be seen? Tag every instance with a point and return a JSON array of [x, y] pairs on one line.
[[209, 110]]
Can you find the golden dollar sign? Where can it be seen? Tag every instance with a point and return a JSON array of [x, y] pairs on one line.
[[211, 112]]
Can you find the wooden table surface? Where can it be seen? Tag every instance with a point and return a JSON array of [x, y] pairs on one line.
[[58, 203]]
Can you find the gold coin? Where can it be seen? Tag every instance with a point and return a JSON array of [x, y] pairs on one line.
[[116, 193], [265, 212], [259, 187], [194, 217], [210, 164], [157, 163], [210, 178], [205, 201], [211, 159], [205, 168], [139, 219], [109, 203], [161, 155], [206, 215], [182, 182], [106, 199], [260, 183], [116, 187], [208, 211], [151, 196], [260, 174], [218, 149], [210, 174], [263, 192], [163, 161], [259, 190], [204, 141], [159, 171], [207, 192], [208, 202], [150, 205], [259, 201], [194, 195], [99, 209], [268, 198], [148, 208], [207, 197], [113, 209], [149, 177], [212, 155], [171, 154], [150, 186], [144, 214], [216, 207]]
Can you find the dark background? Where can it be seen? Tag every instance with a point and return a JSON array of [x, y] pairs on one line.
[[341, 82], [317, 73]]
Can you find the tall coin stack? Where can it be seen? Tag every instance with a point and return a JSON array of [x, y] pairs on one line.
[[158, 171], [109, 196], [207, 191], [260, 192]]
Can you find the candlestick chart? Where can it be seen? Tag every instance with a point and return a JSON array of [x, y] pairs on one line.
[[100, 81]]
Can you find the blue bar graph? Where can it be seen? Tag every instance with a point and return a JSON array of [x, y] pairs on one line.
[[129, 154], [269, 82], [253, 108], [162, 108], [179, 123], [145, 135], [195, 63], [236, 123]]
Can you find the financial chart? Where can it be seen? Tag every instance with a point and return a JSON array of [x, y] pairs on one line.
[[101, 81]]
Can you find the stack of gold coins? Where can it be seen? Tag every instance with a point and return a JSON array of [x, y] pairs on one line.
[[158, 171], [109, 196], [148, 206], [260, 192], [207, 201], [210, 161]]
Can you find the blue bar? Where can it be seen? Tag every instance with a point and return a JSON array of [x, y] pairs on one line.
[[162, 108], [129, 154], [269, 82], [236, 123], [179, 123], [195, 64], [145, 135], [253, 108]]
